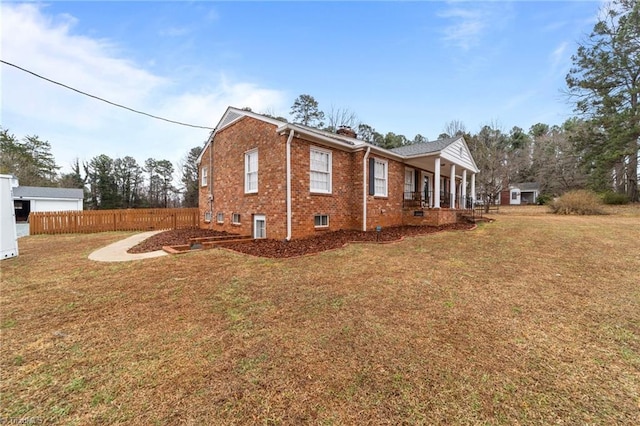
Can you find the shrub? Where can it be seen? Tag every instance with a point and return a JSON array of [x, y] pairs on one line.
[[544, 199], [616, 198], [578, 202]]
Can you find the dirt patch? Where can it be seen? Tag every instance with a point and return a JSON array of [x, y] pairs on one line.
[[297, 247]]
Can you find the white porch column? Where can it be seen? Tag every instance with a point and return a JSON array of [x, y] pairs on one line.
[[463, 195], [452, 187], [473, 186], [436, 185]]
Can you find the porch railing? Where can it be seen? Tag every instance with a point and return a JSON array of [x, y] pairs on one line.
[[424, 199]]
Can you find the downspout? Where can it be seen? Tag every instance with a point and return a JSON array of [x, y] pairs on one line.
[[289, 139], [210, 182], [364, 189]]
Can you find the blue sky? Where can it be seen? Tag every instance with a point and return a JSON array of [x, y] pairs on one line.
[[405, 67]]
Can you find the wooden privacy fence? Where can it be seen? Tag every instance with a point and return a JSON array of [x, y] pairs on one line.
[[89, 221]]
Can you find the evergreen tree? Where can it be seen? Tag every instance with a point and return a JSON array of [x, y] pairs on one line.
[[605, 82], [189, 177], [305, 111], [29, 159]]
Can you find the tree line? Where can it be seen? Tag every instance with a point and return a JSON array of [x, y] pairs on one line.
[[554, 156], [108, 183]]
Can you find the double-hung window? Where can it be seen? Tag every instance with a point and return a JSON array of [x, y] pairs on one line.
[[381, 169], [320, 170], [409, 183], [251, 171], [204, 176]]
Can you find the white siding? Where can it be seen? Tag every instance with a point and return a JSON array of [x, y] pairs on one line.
[[55, 205], [459, 154]]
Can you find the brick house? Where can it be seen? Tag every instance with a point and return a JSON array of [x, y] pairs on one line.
[[267, 178]]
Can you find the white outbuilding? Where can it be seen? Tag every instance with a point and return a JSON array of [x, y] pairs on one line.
[[27, 199]]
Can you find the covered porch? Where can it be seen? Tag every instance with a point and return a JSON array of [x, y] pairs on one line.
[[436, 188], [438, 175]]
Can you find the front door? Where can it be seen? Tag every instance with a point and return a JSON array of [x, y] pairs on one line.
[[259, 226], [426, 190]]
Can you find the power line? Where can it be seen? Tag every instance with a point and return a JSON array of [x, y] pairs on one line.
[[104, 100]]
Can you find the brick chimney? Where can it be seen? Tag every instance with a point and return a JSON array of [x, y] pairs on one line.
[[346, 131]]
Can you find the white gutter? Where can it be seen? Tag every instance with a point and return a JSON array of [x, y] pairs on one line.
[[289, 184], [364, 189]]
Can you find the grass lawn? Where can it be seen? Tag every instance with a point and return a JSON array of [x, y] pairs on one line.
[[531, 319]]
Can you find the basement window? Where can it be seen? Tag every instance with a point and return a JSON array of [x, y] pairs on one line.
[[321, 221], [220, 217], [207, 217], [235, 218]]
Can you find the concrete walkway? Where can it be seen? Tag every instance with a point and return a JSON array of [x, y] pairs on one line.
[[117, 252]]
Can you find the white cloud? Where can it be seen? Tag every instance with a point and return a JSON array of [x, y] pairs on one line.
[[79, 126], [471, 21], [466, 28], [559, 56]]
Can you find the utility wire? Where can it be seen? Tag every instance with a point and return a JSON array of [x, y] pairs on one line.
[[104, 100]]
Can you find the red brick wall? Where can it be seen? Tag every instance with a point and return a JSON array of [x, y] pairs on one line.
[[434, 217], [229, 148], [387, 211], [339, 205]]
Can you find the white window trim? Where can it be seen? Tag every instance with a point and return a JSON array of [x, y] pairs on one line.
[[386, 178], [204, 176], [207, 216], [233, 218], [247, 156], [220, 217], [256, 219], [321, 216], [408, 194], [330, 173]]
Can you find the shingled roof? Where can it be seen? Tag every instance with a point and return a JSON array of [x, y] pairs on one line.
[[424, 147], [44, 192]]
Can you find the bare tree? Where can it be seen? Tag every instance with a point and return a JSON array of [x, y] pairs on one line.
[[341, 117], [488, 150], [556, 159], [454, 128]]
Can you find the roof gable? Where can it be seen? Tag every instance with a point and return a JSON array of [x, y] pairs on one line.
[[453, 149], [231, 116], [458, 153]]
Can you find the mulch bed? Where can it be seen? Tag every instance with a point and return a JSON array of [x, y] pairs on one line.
[[296, 247], [173, 238]]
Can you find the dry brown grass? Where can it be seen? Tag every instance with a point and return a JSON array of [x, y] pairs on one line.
[[531, 319]]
